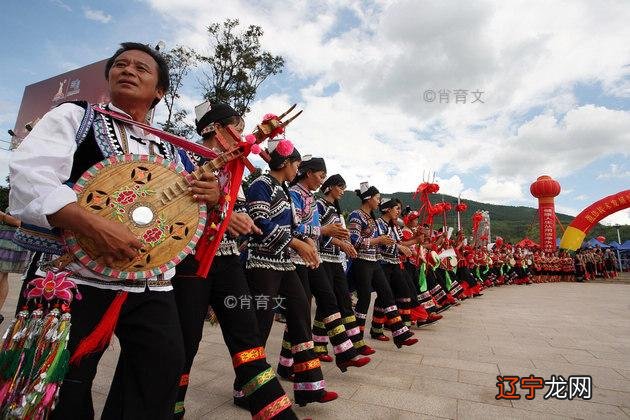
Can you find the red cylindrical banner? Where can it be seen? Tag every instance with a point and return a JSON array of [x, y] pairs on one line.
[[547, 219]]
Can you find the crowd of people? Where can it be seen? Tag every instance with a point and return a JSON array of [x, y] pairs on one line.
[[287, 240]]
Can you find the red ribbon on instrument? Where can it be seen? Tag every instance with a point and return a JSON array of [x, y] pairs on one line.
[[206, 248]]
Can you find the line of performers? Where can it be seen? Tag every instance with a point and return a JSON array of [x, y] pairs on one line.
[[596, 262], [297, 245], [305, 251]]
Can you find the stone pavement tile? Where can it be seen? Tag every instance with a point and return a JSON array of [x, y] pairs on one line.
[[102, 380], [519, 364], [625, 349], [578, 369], [516, 350], [220, 365], [599, 380], [585, 345], [506, 336], [226, 410], [437, 372], [612, 384], [345, 388], [98, 400], [474, 410], [395, 366], [459, 390], [477, 378], [199, 403], [221, 386], [475, 355], [199, 375], [365, 376], [456, 343], [427, 371], [407, 400], [355, 410], [110, 355], [210, 350], [624, 372], [401, 355], [573, 408], [523, 360], [601, 362], [608, 396], [435, 350], [460, 364], [522, 341], [611, 355]]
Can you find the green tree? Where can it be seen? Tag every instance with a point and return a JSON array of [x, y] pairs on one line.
[[180, 61], [236, 66], [4, 195]]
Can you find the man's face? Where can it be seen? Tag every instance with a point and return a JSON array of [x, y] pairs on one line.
[[133, 79]]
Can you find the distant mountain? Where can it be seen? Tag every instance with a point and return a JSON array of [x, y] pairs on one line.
[[512, 223]]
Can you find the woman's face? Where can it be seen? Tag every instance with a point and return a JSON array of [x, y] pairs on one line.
[[290, 170], [314, 180], [337, 191], [374, 202], [394, 212]]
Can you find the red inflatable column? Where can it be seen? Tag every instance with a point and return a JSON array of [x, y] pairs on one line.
[[545, 189]]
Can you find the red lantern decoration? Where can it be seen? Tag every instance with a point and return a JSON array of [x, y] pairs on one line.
[[601, 238], [461, 207]]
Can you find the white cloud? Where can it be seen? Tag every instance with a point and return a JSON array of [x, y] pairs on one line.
[[525, 56], [498, 191], [616, 171], [61, 4], [97, 15], [619, 218]]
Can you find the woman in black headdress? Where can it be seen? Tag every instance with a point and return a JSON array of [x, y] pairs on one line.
[[411, 310], [367, 272], [270, 271], [225, 280], [333, 251], [328, 320]]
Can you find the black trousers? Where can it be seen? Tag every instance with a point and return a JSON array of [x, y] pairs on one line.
[[151, 357], [368, 275], [226, 290], [328, 322], [308, 381], [337, 277], [339, 281], [404, 290]]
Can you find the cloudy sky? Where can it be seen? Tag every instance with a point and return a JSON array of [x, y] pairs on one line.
[[489, 95]]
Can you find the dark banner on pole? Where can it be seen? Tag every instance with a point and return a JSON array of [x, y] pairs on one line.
[[86, 83]]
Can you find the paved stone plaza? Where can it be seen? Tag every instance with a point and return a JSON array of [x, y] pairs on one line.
[[547, 329]]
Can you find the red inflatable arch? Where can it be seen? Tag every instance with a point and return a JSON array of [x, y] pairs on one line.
[[590, 216]]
